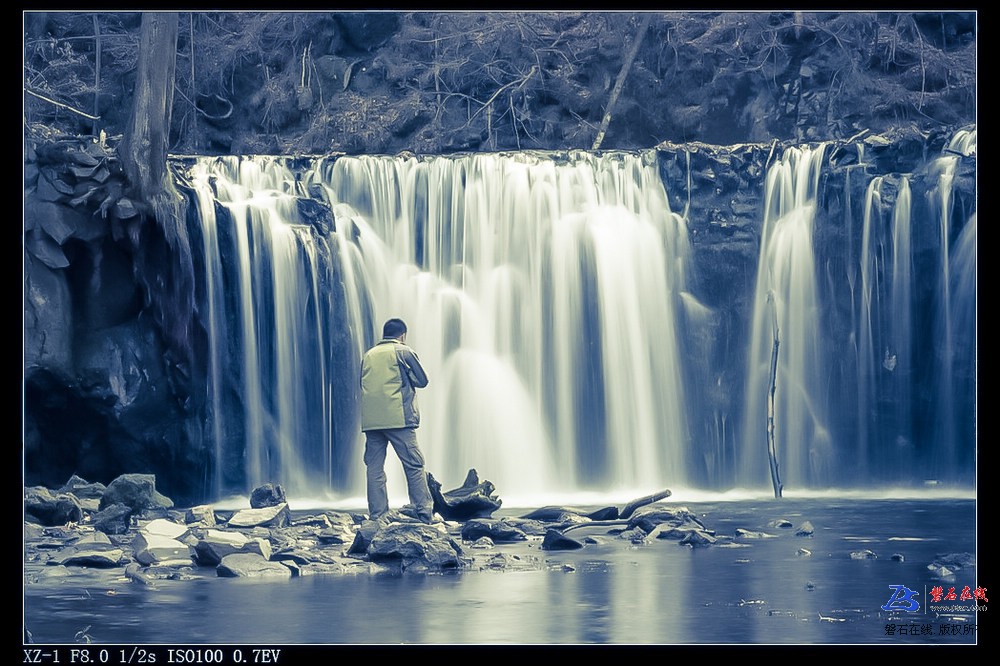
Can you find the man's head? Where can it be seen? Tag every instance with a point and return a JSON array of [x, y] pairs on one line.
[[394, 328]]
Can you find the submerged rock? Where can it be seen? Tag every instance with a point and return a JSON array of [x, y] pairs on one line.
[[497, 530], [251, 565], [751, 534], [648, 518], [556, 540], [698, 538]]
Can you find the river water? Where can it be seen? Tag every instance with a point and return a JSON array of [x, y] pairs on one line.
[[780, 589]]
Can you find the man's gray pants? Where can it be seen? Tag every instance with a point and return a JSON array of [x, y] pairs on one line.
[[404, 442]]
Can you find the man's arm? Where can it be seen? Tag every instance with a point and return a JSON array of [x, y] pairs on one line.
[[411, 365]]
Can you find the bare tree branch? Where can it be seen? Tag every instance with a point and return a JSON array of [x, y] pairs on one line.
[[63, 106]]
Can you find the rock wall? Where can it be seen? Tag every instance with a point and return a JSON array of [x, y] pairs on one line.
[[104, 395]]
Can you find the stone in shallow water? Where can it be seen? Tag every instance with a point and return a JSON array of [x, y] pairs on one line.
[[201, 516], [750, 534], [94, 556], [158, 549], [555, 540], [251, 565], [415, 545], [267, 495], [271, 516], [697, 538]]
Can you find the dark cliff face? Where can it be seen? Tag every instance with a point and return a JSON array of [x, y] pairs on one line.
[[427, 82], [106, 391]]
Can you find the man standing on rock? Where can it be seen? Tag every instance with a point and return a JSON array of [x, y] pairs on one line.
[[390, 375]]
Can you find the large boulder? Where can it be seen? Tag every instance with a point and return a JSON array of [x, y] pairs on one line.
[[49, 509], [83, 489], [269, 494], [415, 545], [113, 519], [136, 491]]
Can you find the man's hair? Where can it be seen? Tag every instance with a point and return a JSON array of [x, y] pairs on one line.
[[393, 328]]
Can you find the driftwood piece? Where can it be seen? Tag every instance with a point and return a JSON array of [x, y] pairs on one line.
[[623, 516], [630, 508], [474, 499]]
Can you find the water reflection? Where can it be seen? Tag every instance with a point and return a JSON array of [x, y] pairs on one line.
[[763, 590]]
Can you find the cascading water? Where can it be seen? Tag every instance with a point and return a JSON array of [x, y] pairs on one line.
[[547, 295], [885, 363], [540, 294], [786, 305], [955, 307], [266, 276]]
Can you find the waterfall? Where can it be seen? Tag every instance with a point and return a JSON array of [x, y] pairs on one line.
[[541, 294], [266, 273], [898, 355], [955, 348], [885, 328], [548, 295], [785, 297]]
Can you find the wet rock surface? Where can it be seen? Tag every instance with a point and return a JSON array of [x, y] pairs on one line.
[[149, 539]]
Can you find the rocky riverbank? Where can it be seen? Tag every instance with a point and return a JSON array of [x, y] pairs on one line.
[[107, 542], [128, 526]]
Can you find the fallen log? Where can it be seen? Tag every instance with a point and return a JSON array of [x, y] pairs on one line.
[[623, 515], [630, 508]]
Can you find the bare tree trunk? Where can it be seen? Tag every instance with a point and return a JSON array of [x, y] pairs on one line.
[[159, 235], [622, 75], [97, 74], [771, 452], [194, 88], [144, 146]]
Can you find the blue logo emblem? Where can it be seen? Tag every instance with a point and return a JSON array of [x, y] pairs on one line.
[[902, 600]]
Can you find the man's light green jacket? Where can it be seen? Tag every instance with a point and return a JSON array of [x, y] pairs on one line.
[[390, 375]]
